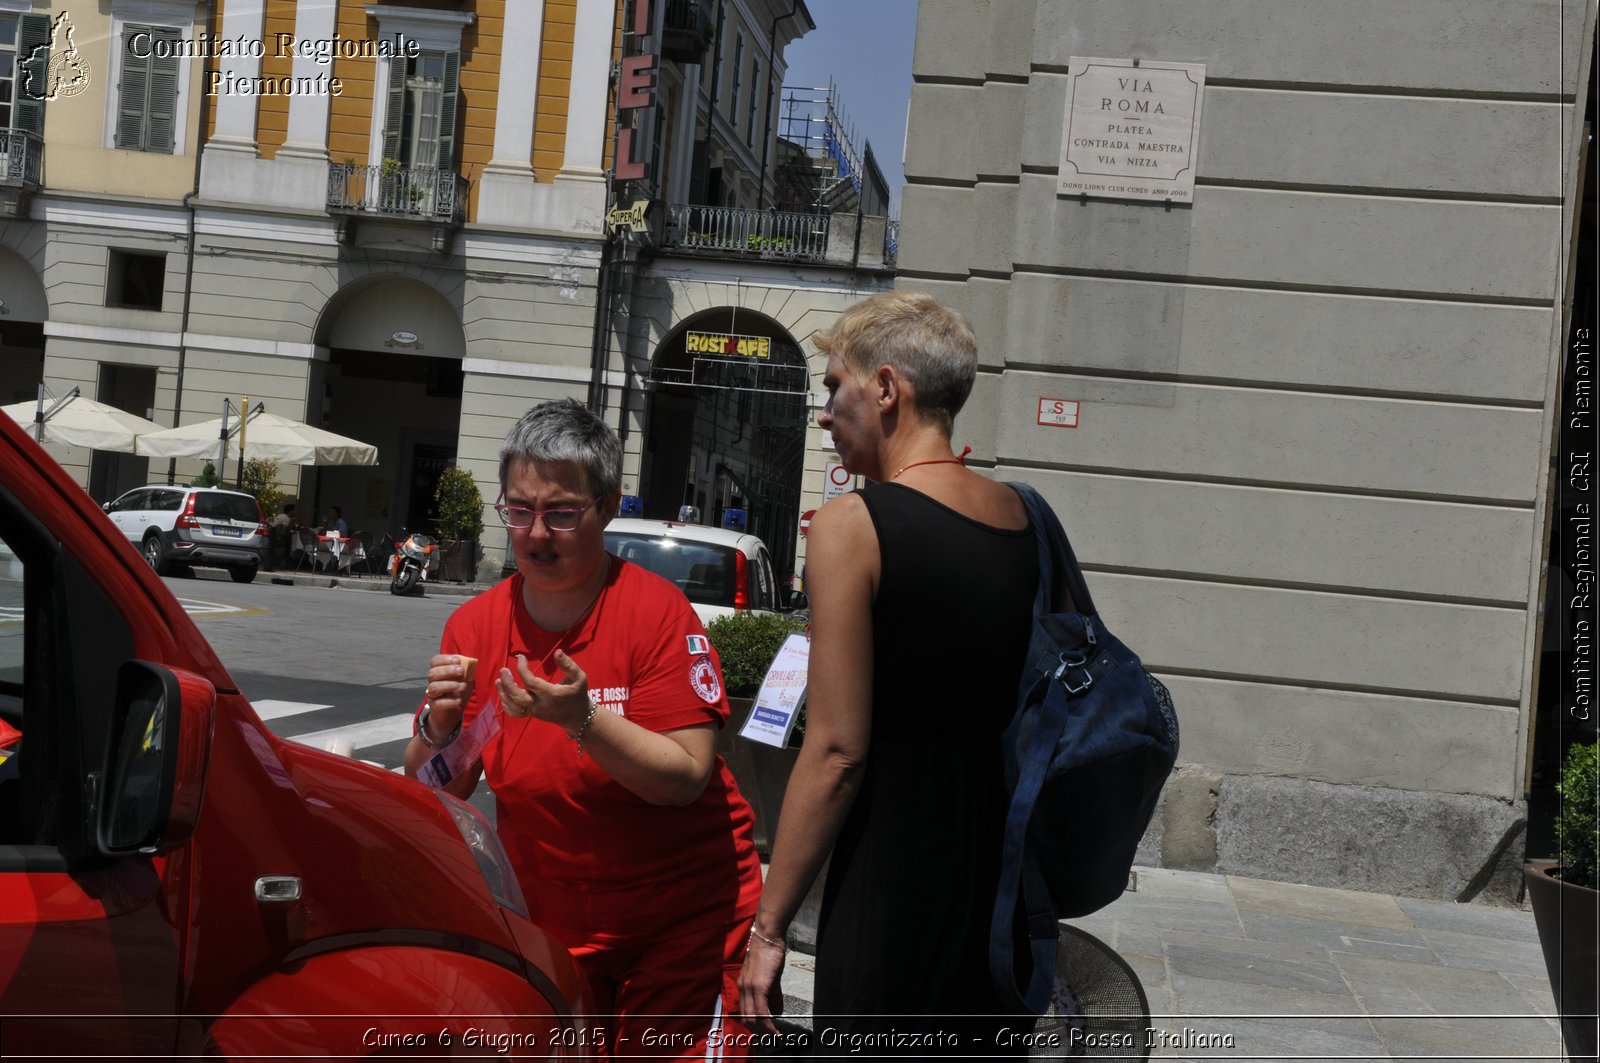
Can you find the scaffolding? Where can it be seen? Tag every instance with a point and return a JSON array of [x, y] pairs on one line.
[[819, 167]]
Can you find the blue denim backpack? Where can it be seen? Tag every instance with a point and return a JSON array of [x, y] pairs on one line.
[[1093, 741]]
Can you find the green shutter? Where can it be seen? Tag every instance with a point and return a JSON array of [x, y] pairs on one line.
[[394, 118], [131, 92], [447, 110], [161, 107], [33, 73]]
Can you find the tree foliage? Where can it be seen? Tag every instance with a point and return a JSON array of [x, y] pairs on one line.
[[1578, 821], [260, 478], [459, 505]]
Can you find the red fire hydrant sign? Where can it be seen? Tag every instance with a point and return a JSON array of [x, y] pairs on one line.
[[1058, 413]]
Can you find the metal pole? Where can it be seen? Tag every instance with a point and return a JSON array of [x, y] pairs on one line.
[[244, 423], [222, 443]]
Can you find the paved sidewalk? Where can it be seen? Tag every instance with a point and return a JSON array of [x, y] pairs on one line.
[[354, 582], [1240, 968]]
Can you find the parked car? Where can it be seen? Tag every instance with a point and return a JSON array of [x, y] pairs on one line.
[[174, 525], [177, 882], [719, 571]]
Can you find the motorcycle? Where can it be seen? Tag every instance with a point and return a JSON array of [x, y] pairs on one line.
[[415, 557]]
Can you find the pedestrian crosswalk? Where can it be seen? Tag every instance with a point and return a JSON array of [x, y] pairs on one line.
[[380, 740]]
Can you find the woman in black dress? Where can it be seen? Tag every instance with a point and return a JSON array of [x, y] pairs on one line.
[[921, 590]]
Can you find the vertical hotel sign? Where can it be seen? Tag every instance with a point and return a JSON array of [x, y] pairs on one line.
[[636, 91], [1132, 129]]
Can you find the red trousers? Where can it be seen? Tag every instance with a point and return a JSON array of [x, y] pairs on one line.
[[669, 997]]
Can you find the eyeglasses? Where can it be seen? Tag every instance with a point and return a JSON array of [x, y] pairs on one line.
[[564, 519]]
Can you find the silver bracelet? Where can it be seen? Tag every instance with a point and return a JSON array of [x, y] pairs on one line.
[[756, 935], [427, 739], [583, 728]]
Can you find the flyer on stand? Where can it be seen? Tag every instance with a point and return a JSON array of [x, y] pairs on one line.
[[782, 694]]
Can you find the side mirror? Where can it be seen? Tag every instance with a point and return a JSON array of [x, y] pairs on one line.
[[105, 507], [148, 797], [798, 601]]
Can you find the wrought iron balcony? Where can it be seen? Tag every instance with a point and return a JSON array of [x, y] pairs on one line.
[[21, 158], [686, 31], [734, 232], [397, 191]]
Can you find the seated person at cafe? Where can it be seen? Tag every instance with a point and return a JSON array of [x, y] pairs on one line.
[[334, 523], [280, 535]]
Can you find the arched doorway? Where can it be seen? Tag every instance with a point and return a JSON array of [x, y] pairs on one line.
[[729, 395], [393, 378]]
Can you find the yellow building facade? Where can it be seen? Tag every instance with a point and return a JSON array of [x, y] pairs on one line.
[[388, 220]]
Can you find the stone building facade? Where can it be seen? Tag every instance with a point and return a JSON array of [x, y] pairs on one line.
[[1309, 472]]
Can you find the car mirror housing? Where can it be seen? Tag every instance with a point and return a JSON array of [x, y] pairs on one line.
[[148, 796]]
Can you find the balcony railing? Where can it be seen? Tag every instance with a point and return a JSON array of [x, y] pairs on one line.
[[399, 191], [21, 158], [686, 31], [725, 231]]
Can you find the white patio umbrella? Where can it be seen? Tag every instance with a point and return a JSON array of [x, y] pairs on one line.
[[81, 422], [267, 436]]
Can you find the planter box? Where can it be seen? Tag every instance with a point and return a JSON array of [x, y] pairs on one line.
[[458, 562], [1568, 918], [762, 772]]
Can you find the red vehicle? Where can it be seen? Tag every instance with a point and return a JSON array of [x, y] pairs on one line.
[[176, 881]]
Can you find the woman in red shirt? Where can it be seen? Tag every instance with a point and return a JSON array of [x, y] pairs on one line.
[[593, 716]]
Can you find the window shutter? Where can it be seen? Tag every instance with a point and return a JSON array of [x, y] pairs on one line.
[[132, 89], [394, 118], [447, 111], [33, 73], [162, 106]]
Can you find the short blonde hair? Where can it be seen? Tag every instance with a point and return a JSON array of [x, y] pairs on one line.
[[928, 343]]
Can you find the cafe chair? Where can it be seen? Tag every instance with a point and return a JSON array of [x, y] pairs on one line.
[[379, 551], [304, 549], [359, 552]]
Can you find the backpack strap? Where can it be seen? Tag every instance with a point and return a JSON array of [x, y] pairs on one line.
[[1034, 746], [1055, 548], [1019, 876]]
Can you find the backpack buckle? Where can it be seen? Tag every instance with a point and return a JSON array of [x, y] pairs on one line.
[[1073, 684]]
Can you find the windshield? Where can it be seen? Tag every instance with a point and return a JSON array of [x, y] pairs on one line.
[[704, 572]]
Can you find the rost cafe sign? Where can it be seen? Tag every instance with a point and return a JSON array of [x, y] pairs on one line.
[[1132, 129], [728, 344]]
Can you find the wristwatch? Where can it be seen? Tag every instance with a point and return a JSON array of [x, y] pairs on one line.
[[422, 729]]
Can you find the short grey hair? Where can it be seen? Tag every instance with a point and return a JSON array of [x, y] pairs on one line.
[[928, 343], [565, 430]]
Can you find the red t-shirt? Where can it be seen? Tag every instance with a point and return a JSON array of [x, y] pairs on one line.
[[595, 860]]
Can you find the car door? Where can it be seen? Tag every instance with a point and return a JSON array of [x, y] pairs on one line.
[[89, 946], [765, 584], [123, 512]]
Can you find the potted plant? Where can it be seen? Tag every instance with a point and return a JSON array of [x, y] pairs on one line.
[[459, 506], [1565, 895], [746, 643]]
